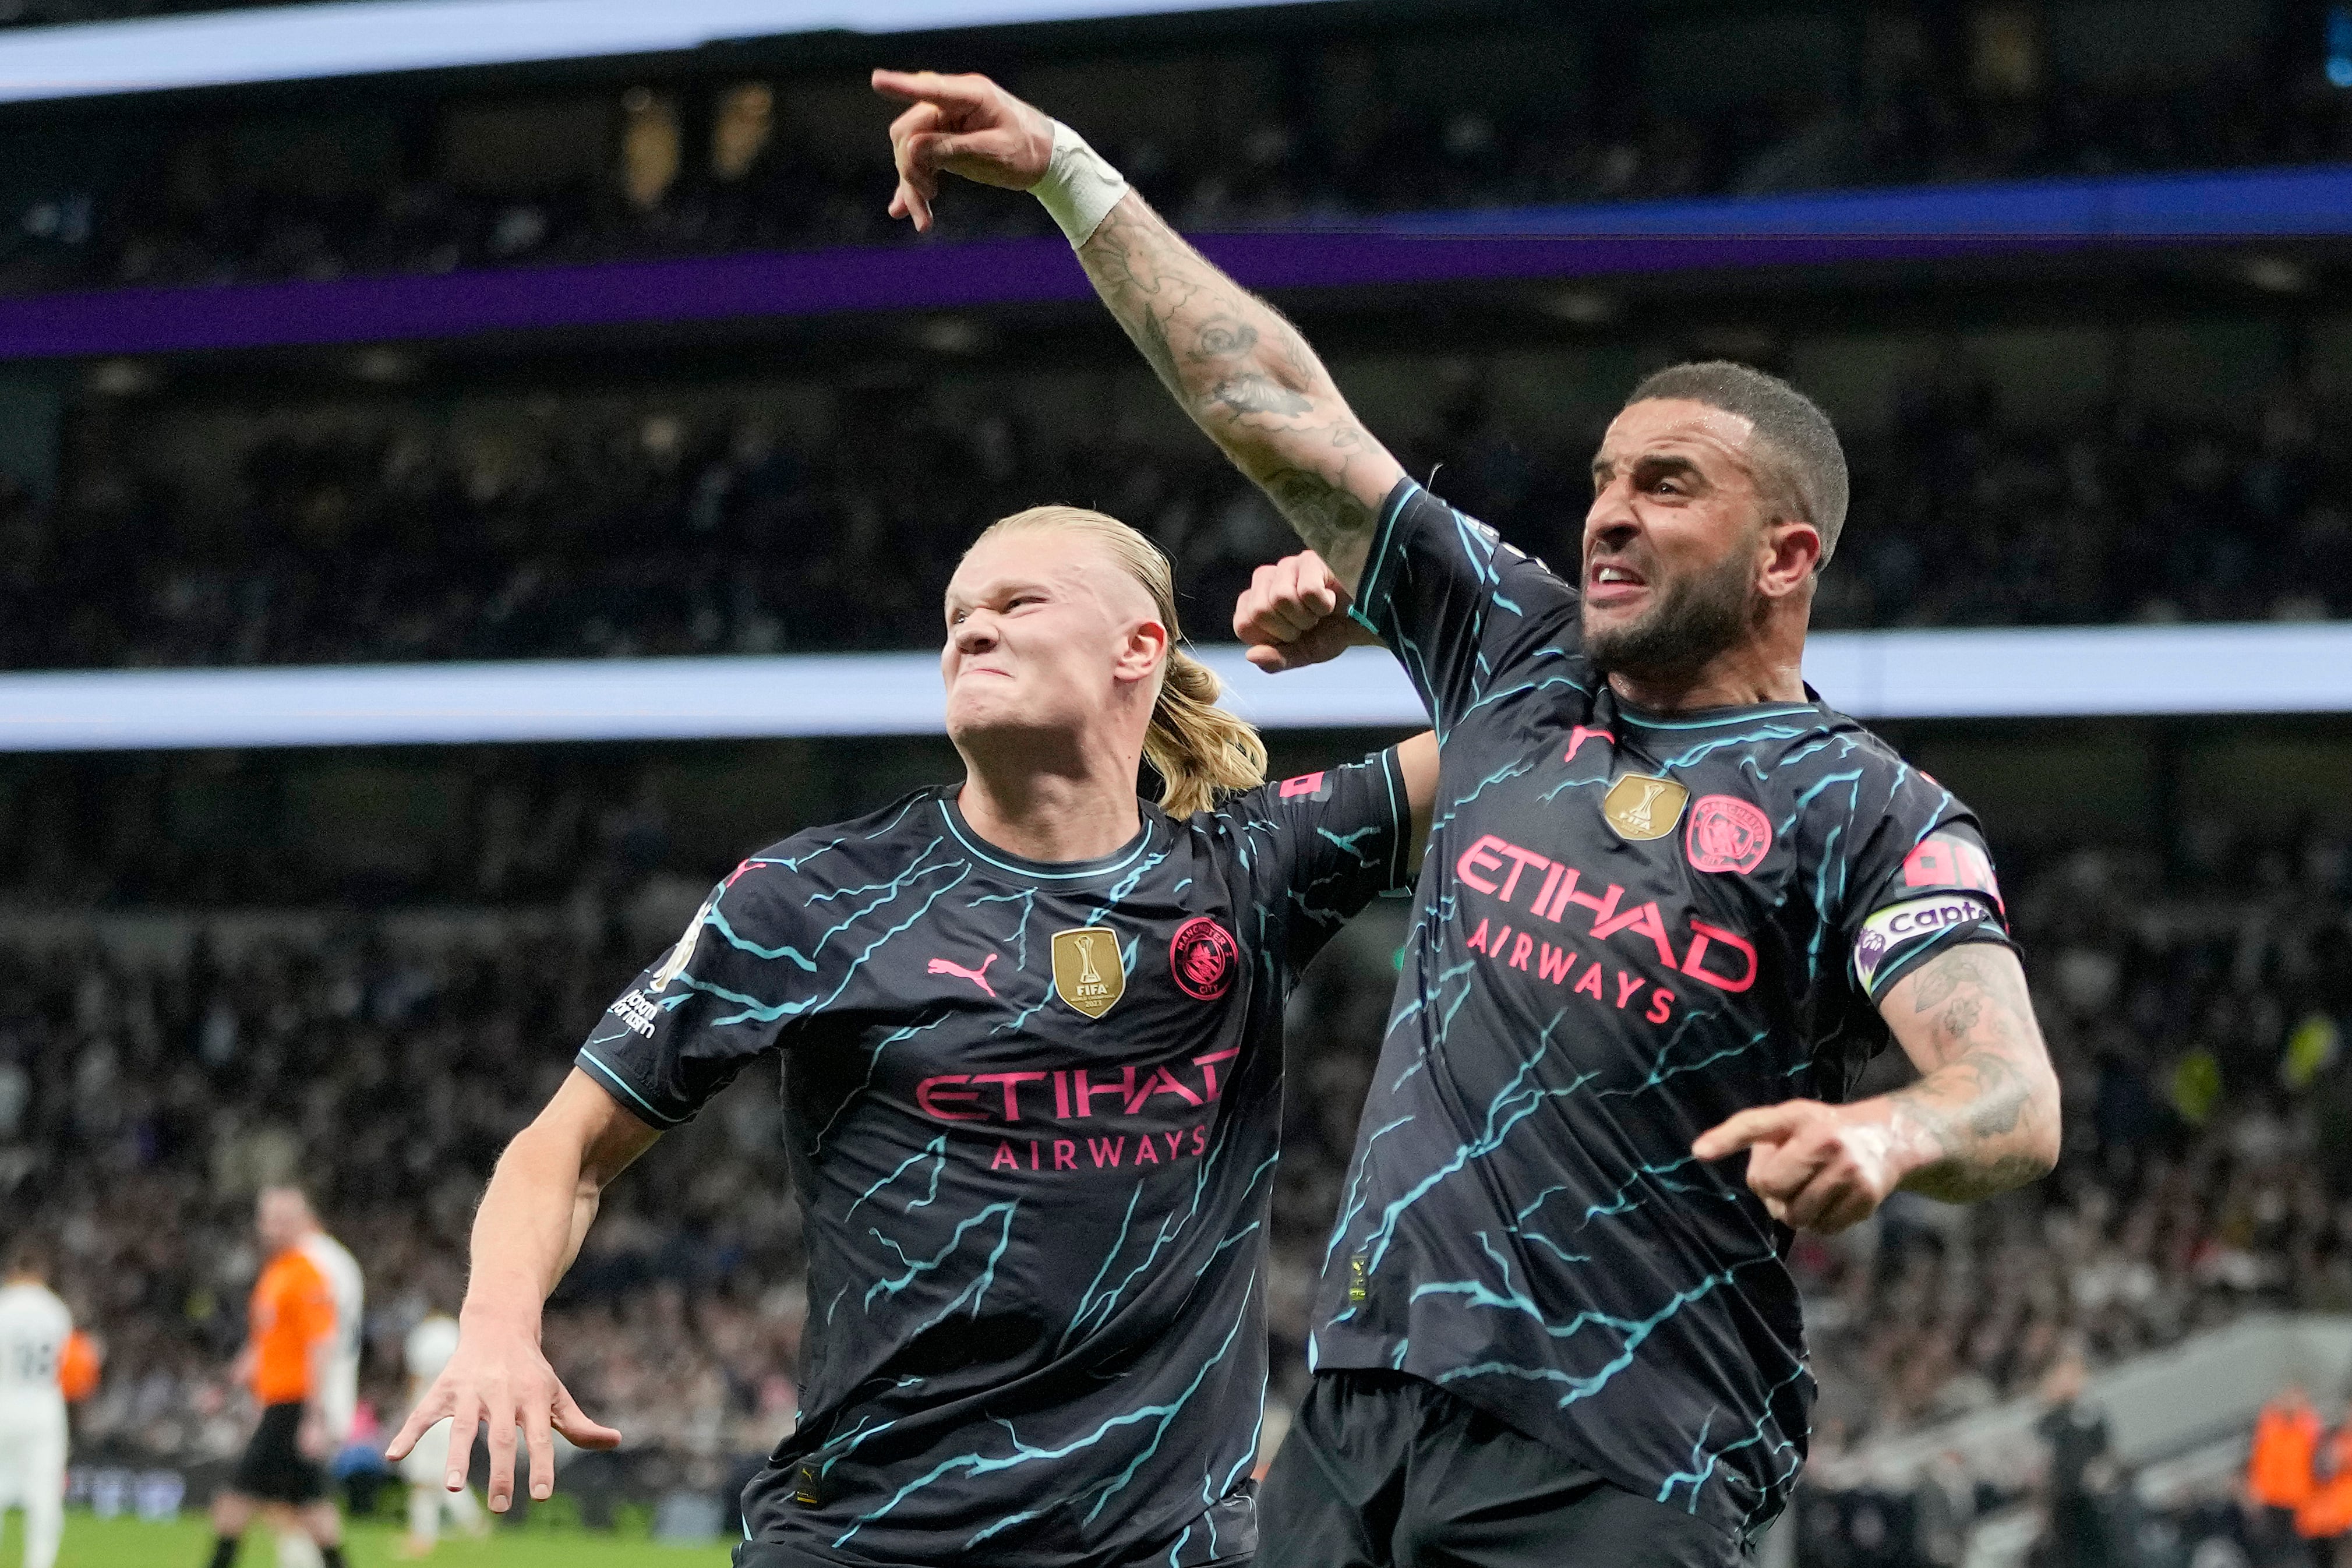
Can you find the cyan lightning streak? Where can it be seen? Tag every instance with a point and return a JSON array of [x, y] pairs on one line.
[[1023, 1454], [1512, 1104]]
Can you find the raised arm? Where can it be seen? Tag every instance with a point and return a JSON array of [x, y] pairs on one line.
[[541, 1201], [1982, 1118], [1236, 366]]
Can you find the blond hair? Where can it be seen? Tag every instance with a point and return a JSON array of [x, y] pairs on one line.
[[1198, 749]]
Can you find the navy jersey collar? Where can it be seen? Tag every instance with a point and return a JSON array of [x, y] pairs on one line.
[[1611, 708], [1049, 871]]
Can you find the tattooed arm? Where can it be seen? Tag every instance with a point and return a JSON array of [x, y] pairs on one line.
[[1242, 371], [1982, 1118], [1248, 379]]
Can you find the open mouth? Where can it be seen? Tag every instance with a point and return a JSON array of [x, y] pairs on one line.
[[1612, 583]]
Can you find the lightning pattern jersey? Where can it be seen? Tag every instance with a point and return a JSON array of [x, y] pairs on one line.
[[1630, 927], [1032, 1112]]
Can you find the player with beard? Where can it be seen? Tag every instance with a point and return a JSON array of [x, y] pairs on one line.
[[1030, 1032], [1672, 904]]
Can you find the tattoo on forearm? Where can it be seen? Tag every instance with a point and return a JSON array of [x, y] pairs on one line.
[[1255, 393], [1981, 1101], [1245, 376]]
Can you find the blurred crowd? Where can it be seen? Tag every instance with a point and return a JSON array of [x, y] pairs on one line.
[[143, 1096], [700, 168], [653, 532], [152, 1075], [2197, 1012]]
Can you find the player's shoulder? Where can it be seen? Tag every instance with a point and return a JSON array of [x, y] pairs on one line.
[[293, 1269], [1418, 507], [1805, 750], [839, 852], [27, 1299], [1300, 797]]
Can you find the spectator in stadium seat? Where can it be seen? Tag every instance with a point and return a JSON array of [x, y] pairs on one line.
[[2280, 1475]]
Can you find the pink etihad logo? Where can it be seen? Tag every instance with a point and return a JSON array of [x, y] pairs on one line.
[[1727, 833]]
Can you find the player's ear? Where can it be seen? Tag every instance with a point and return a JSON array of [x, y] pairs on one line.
[[1140, 654], [1791, 550]]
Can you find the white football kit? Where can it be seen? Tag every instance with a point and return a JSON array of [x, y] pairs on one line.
[[33, 1327], [339, 1401], [430, 1345]]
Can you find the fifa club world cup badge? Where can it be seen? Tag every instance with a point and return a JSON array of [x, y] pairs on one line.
[[1204, 956], [1640, 807], [1087, 971], [1727, 833]]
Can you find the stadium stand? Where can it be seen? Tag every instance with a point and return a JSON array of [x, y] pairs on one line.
[[1345, 111], [729, 522]]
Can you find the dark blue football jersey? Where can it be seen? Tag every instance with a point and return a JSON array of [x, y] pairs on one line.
[[1033, 1112], [1631, 926]]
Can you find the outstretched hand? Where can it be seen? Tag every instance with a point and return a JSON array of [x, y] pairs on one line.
[[1817, 1167], [964, 125], [1294, 614], [500, 1376]]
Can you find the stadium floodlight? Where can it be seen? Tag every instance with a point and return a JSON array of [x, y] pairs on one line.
[[368, 37], [2089, 672]]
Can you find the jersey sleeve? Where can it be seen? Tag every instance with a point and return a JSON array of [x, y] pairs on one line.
[[1464, 612], [1922, 882], [307, 1308], [1320, 846], [719, 999]]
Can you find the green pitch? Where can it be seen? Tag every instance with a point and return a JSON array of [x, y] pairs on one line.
[[126, 1543]]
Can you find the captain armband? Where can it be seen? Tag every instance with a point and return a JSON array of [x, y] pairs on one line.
[[1899, 931]]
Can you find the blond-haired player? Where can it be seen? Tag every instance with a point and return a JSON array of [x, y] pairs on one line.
[[1030, 1031]]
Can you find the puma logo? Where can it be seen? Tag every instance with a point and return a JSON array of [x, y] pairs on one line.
[[977, 976]]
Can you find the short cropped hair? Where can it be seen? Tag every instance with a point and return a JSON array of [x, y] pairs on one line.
[[1794, 438]]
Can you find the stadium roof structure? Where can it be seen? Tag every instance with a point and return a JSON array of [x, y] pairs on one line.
[[2029, 218], [2074, 672], [374, 37]]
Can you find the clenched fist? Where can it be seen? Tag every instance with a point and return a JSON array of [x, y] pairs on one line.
[[1295, 613], [961, 125]]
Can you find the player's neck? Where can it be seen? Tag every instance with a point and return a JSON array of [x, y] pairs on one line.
[[1052, 816], [1738, 677]]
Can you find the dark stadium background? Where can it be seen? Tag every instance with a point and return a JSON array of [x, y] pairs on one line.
[[364, 966]]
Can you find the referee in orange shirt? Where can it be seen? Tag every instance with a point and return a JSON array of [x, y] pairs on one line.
[[285, 1360]]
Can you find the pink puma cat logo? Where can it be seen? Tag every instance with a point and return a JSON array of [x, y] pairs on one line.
[[977, 976]]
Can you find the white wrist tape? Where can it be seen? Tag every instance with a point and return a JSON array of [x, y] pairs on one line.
[[1079, 188]]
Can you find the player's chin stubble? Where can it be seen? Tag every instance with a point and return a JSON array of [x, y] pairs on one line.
[[1694, 619]]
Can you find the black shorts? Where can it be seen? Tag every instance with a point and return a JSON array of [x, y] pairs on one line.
[[274, 1468], [1386, 1470]]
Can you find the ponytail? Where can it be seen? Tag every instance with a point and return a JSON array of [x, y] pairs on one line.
[[1198, 749]]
